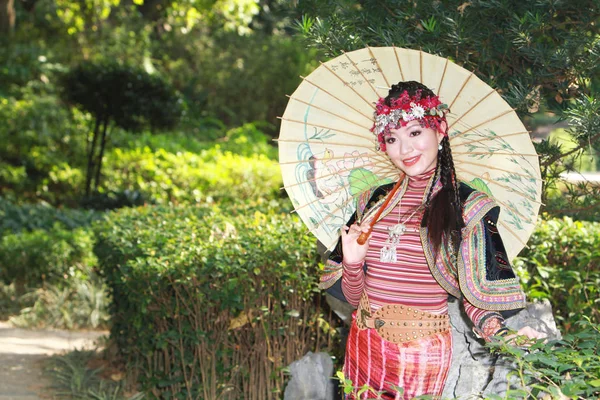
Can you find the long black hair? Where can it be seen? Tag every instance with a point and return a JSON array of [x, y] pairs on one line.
[[443, 212]]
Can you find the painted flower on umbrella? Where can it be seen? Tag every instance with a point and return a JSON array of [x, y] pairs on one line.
[[350, 162]]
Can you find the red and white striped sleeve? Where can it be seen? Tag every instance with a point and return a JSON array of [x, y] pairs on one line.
[[353, 282]]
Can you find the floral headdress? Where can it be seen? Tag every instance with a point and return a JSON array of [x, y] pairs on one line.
[[430, 112]]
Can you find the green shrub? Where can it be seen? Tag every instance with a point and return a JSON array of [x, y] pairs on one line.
[[211, 304], [127, 95], [246, 140], [184, 177], [562, 264], [32, 259], [42, 147], [560, 369], [28, 217], [79, 303]]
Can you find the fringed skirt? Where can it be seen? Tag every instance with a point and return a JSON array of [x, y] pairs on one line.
[[396, 371]]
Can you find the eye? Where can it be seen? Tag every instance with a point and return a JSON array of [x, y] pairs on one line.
[[390, 139], [414, 133]]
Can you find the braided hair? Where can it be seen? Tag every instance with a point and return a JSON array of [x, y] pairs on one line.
[[443, 212]]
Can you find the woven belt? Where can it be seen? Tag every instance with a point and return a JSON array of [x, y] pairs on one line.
[[399, 323]]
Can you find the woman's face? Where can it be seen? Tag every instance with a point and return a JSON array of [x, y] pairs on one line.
[[412, 148]]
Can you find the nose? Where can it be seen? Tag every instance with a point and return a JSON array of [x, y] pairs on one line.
[[405, 147]]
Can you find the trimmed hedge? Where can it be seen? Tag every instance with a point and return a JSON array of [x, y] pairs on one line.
[[211, 305], [562, 264]]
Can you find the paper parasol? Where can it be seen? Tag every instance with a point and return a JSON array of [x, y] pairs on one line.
[[328, 155]]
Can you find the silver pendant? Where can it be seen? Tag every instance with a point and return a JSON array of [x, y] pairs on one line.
[[388, 251], [396, 231], [388, 254]]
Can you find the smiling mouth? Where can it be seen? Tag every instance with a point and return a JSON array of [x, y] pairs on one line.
[[411, 161]]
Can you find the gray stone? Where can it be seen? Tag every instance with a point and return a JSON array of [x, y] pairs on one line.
[[474, 370], [311, 378]]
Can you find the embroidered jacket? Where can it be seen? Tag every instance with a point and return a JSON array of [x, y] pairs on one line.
[[481, 272]]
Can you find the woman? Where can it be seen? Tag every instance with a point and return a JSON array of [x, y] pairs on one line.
[[435, 237]]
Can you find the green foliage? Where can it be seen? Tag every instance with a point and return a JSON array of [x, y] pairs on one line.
[[80, 303], [211, 302], [82, 374], [11, 302], [560, 369], [29, 217], [40, 148], [126, 95], [45, 256], [236, 79], [562, 265], [184, 177], [247, 140]]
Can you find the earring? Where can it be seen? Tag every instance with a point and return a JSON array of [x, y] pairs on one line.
[[440, 146]]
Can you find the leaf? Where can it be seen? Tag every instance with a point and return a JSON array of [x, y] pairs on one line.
[[595, 383]]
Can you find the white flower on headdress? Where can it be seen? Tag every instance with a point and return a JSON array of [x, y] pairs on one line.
[[407, 116], [418, 112]]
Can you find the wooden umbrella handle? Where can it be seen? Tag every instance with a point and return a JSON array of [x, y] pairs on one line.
[[362, 239]]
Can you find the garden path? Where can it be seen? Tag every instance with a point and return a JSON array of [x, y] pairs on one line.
[[22, 353]]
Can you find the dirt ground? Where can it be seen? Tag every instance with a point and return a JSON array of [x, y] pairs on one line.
[[22, 353]]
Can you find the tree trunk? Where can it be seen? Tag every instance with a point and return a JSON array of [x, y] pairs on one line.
[[101, 156], [90, 165], [7, 17]]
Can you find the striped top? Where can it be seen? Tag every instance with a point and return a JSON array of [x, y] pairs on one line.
[[407, 281]]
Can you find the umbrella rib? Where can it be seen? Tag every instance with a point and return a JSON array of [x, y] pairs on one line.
[[371, 139], [471, 109], [420, 66], [399, 63], [346, 84], [337, 98], [482, 123], [355, 65], [492, 138], [514, 234], [525, 195], [461, 89], [494, 153], [387, 83], [330, 112], [374, 155], [442, 78], [512, 209], [500, 169], [321, 142]]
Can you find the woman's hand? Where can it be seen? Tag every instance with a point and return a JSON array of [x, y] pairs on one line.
[[354, 253], [531, 333], [525, 337]]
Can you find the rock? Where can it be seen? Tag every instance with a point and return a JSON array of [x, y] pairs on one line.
[[311, 378], [474, 370]]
